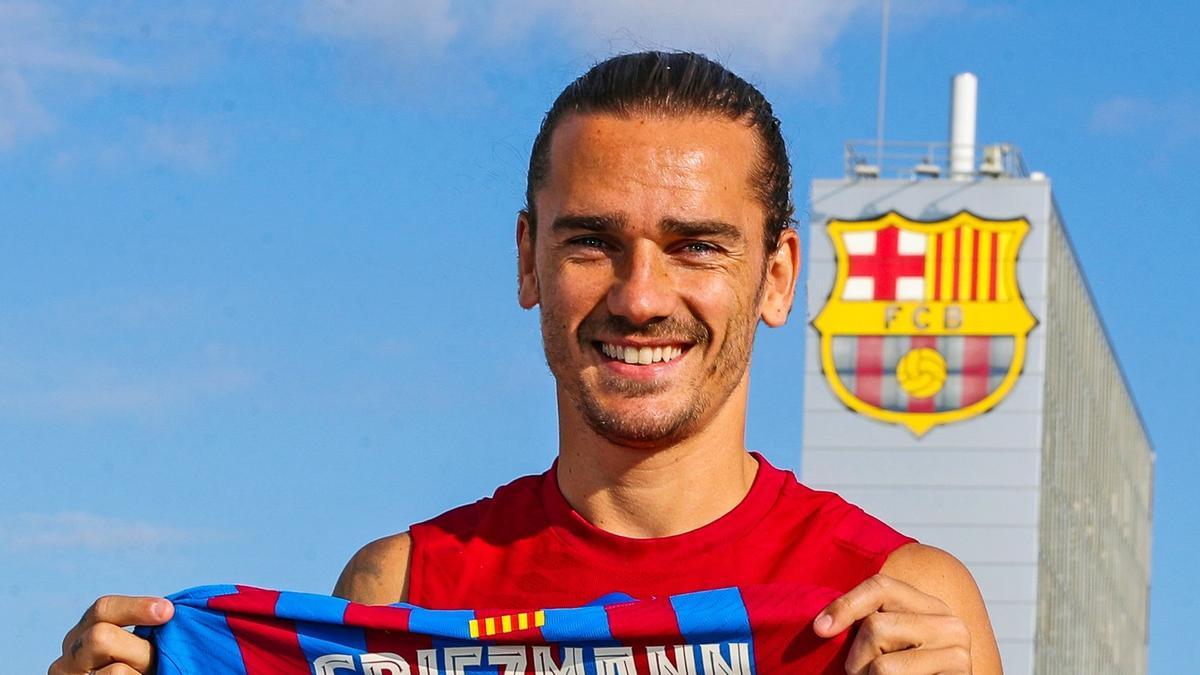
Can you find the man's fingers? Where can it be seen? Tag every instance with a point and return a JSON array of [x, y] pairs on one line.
[[97, 641], [118, 669], [945, 661], [104, 644], [123, 610], [878, 593], [886, 632], [119, 610]]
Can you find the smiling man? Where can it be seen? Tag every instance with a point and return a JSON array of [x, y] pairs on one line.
[[656, 236]]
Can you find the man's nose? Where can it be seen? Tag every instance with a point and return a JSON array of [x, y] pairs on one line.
[[643, 291]]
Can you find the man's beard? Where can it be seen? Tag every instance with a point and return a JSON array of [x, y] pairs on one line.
[[649, 426]]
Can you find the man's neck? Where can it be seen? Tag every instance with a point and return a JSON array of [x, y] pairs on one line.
[[657, 492]]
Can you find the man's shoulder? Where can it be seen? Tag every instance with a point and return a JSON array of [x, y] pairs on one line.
[[927, 568], [378, 573], [931, 570]]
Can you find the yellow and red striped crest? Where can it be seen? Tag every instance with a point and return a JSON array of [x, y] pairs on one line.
[[925, 324]]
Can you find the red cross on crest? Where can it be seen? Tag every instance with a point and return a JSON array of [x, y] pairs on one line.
[[886, 265]]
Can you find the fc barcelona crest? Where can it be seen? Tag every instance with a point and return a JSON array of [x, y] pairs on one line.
[[925, 324]]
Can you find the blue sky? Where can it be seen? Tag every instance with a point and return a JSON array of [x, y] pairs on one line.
[[257, 300]]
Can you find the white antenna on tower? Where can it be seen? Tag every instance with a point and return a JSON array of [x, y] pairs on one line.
[[882, 108]]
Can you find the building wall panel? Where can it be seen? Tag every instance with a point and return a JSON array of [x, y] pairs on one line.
[[996, 429], [1095, 509], [902, 507]]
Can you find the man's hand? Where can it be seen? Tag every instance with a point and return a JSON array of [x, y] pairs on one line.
[[98, 643], [903, 630]]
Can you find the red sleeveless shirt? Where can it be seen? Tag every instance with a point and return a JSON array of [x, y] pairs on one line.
[[525, 546]]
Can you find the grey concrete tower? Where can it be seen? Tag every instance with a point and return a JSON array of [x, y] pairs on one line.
[[960, 386]]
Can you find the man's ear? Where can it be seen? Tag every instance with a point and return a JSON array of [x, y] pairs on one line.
[[779, 287], [527, 285]]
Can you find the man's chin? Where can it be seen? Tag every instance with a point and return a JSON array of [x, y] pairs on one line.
[[635, 424], [640, 391]]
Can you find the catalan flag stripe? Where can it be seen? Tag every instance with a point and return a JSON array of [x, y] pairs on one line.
[[966, 267], [933, 268], [1003, 292], [993, 245], [983, 261], [975, 236], [948, 264]]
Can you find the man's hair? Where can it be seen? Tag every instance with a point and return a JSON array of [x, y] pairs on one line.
[[675, 84]]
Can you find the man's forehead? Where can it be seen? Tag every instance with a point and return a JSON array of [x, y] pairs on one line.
[[590, 136], [696, 162]]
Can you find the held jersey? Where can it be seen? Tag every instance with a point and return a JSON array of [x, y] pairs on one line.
[[239, 630], [526, 546]]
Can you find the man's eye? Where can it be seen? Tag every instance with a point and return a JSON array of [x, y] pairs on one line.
[[589, 242], [699, 248]]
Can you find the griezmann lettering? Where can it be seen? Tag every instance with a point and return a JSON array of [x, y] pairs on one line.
[[729, 658]]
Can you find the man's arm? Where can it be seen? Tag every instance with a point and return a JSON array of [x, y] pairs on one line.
[[921, 614], [378, 573], [936, 572]]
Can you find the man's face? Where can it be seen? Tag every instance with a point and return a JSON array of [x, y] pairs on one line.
[[649, 268]]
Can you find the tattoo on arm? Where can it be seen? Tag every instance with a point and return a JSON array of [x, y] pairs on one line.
[[76, 646]]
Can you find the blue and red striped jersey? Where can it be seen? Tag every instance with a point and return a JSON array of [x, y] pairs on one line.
[[227, 630]]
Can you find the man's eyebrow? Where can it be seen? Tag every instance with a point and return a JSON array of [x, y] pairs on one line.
[[599, 223], [702, 228]]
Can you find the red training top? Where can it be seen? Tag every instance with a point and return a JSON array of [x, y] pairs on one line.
[[525, 547]]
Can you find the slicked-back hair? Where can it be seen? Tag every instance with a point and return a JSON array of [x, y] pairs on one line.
[[675, 84]]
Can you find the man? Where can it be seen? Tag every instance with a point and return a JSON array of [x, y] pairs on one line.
[[656, 235]]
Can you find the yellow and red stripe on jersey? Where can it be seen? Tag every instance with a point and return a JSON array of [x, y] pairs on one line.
[[506, 623]]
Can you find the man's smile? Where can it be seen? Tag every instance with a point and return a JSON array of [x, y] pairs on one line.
[[643, 355], [642, 361]]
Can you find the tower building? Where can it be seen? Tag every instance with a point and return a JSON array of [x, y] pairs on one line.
[[960, 385]]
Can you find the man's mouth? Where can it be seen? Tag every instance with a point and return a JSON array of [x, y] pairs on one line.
[[645, 356]]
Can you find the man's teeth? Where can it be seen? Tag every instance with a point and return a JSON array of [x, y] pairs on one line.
[[643, 355]]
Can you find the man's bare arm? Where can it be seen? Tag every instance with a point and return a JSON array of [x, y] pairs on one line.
[[378, 573], [941, 575], [922, 613]]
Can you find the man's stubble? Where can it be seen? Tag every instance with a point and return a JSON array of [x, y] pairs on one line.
[[657, 426]]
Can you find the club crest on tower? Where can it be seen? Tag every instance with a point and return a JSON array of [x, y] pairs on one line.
[[925, 324]]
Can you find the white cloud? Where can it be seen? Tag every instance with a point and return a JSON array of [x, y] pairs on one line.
[[759, 34], [191, 148], [37, 48], [791, 37], [65, 383], [397, 23], [36, 38], [92, 391], [57, 57], [1121, 114], [1172, 119], [20, 114], [80, 530]]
